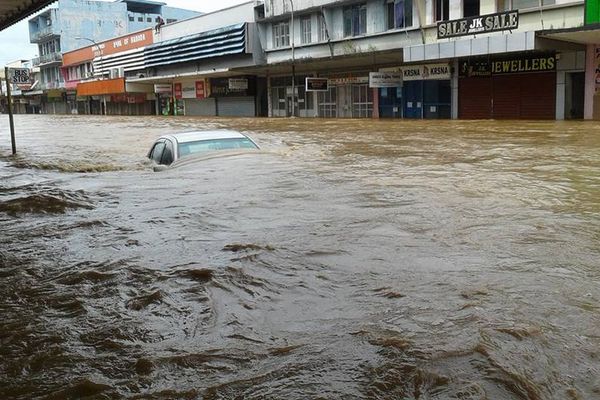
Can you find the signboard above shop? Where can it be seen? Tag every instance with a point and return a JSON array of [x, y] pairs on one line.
[[317, 84], [503, 21], [426, 72], [385, 79], [484, 66]]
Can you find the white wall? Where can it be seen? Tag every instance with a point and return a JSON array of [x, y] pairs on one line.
[[218, 19]]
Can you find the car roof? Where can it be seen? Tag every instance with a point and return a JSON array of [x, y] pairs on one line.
[[194, 136]]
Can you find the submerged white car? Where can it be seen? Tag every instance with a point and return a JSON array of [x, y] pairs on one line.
[[168, 149]]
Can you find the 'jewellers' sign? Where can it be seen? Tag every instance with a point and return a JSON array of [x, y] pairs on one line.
[[503, 21], [514, 65], [429, 71]]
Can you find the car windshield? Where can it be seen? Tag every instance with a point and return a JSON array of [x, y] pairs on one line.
[[202, 146]]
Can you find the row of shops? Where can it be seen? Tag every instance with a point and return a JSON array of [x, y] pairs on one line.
[[528, 85]]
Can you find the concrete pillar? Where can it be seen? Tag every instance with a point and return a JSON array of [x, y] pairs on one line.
[[454, 88], [592, 60], [269, 97], [560, 95], [375, 102]]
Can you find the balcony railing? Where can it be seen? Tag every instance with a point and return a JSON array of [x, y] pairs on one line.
[[47, 59], [43, 34]]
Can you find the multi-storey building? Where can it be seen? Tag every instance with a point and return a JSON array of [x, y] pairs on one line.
[[424, 58], [190, 67], [76, 23]]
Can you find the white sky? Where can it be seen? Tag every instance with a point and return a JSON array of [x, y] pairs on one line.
[[14, 41]]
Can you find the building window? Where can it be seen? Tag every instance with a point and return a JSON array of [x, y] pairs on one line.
[[305, 30], [442, 10], [171, 20], [355, 20], [131, 18], [140, 19], [281, 34], [322, 29], [470, 8], [506, 5], [399, 13], [148, 19]]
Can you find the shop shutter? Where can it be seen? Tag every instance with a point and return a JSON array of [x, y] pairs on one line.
[[236, 107], [506, 97], [204, 107], [538, 95], [475, 98]]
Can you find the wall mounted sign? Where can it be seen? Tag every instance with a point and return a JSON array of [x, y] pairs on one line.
[[597, 71], [232, 87], [238, 84], [349, 80], [164, 88], [316, 84], [426, 72], [385, 79], [507, 65], [200, 92], [503, 21], [178, 90]]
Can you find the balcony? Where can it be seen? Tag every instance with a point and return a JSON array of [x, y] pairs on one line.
[[52, 58], [43, 34]]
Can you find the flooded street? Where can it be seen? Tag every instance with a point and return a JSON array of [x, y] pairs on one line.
[[347, 260]]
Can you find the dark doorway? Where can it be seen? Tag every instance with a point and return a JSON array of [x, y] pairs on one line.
[[470, 8], [575, 95]]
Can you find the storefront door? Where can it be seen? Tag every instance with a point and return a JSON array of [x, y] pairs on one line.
[[413, 99], [344, 101]]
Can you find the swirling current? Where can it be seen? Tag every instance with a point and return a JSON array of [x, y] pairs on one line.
[[346, 260]]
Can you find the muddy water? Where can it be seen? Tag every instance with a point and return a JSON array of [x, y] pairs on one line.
[[349, 259]]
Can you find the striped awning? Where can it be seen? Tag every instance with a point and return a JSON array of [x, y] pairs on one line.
[[215, 43]]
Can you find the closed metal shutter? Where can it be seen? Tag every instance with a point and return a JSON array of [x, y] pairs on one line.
[[538, 96], [236, 107], [506, 102], [475, 98], [517, 96], [204, 107]]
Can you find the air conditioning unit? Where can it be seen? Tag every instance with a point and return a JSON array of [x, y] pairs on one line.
[[121, 72], [114, 73]]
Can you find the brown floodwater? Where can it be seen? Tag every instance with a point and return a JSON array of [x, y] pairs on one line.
[[348, 260]]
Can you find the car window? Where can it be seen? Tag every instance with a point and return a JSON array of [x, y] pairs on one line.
[[201, 146], [157, 151], [167, 157]]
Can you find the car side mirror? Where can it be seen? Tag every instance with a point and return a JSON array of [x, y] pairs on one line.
[[160, 168]]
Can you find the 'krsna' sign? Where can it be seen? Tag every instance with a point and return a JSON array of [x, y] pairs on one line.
[[480, 24]]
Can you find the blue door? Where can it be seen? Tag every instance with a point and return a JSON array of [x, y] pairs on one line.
[[413, 99]]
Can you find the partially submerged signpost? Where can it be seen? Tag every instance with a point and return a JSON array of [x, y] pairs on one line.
[[15, 76]]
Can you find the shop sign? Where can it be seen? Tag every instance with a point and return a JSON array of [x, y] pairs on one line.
[[131, 98], [221, 87], [350, 80], [426, 72], [54, 93], [316, 84], [502, 21], [200, 92], [238, 84], [505, 65], [178, 91], [188, 90], [164, 88], [385, 79]]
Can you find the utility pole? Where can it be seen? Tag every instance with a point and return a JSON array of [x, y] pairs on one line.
[[10, 113], [292, 32]]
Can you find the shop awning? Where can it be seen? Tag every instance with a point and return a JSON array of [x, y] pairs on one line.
[[12, 11], [589, 34], [215, 43]]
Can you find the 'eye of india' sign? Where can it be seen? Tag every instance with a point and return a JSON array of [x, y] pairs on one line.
[[503, 21]]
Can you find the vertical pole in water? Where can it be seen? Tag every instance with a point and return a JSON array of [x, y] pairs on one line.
[[10, 114]]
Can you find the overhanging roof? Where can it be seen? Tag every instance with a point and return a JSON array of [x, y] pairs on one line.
[[589, 34], [12, 11]]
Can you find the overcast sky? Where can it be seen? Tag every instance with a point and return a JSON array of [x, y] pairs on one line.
[[14, 41]]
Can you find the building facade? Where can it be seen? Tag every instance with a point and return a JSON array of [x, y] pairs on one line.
[[74, 24], [425, 58]]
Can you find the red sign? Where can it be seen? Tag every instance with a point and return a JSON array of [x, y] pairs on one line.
[[200, 90], [178, 91]]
